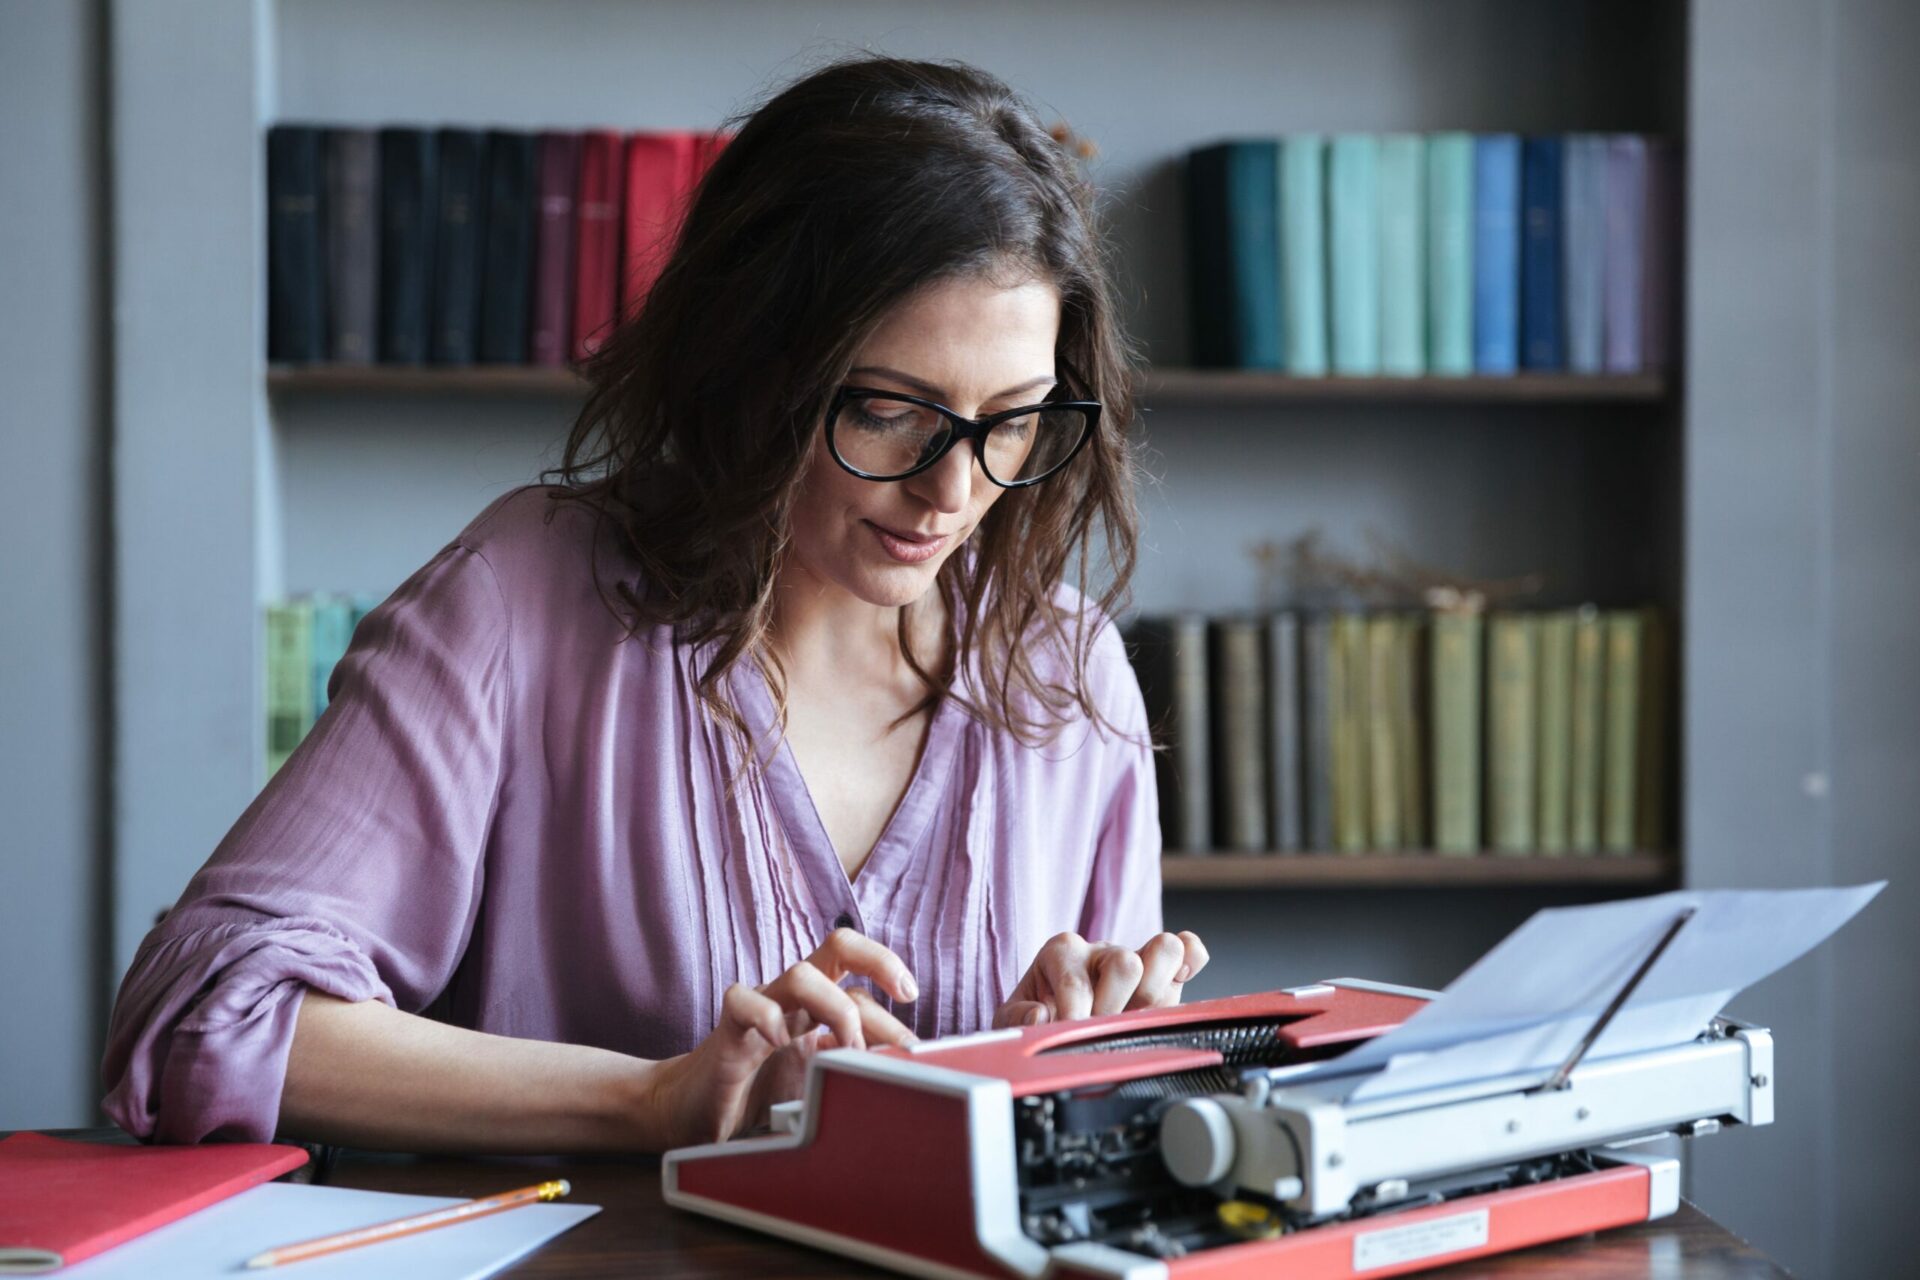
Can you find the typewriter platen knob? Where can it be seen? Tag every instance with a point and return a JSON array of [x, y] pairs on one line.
[[1197, 1142]]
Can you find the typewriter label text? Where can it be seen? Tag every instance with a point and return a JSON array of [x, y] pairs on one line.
[[1419, 1240]]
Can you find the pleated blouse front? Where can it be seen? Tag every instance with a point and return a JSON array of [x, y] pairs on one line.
[[519, 820]]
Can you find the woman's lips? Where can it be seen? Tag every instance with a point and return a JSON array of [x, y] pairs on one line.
[[907, 550]]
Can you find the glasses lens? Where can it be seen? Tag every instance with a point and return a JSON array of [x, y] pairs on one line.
[[1034, 444], [887, 437]]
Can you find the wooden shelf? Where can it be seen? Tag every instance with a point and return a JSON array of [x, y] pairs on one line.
[[1207, 386], [1412, 869]]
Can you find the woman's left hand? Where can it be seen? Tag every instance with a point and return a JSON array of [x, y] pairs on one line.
[[1073, 978]]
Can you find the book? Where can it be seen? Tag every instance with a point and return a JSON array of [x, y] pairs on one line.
[[296, 274], [1353, 246], [1626, 212], [1583, 249], [409, 213], [1650, 800], [1285, 779], [1542, 331], [1317, 712], [459, 246], [597, 218], [331, 619], [1555, 723], [1233, 254], [1403, 259], [1382, 748], [507, 278], [1409, 728], [558, 166], [290, 711], [1512, 688], [1450, 223], [1496, 253], [63, 1202], [1240, 773], [661, 170], [1587, 719], [1303, 253], [1348, 693], [1457, 658], [353, 245], [1620, 737], [1170, 658]]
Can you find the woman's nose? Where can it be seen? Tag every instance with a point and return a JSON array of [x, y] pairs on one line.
[[948, 484]]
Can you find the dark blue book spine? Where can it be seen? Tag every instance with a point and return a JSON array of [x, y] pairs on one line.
[[296, 265], [1496, 253], [1542, 328], [505, 304], [460, 246], [408, 211], [1233, 236]]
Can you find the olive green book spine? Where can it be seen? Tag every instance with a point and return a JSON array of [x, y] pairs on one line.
[[1239, 735], [289, 679], [1348, 680], [1621, 738], [1556, 730], [1410, 728], [1458, 658], [1589, 685], [1650, 811], [1383, 752], [1512, 691]]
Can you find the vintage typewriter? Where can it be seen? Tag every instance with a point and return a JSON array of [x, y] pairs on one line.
[[1222, 1138]]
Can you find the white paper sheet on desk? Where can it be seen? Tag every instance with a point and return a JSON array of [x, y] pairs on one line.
[[218, 1240], [1525, 1005]]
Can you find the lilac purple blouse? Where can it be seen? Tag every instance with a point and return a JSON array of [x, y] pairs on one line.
[[513, 819]]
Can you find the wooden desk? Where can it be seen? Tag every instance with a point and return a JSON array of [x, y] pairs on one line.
[[636, 1234]]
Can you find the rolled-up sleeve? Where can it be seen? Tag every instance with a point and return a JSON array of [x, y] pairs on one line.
[[357, 871], [1123, 899]]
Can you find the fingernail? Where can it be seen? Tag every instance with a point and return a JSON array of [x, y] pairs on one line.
[[910, 1038], [1036, 1016], [1186, 971], [909, 991]]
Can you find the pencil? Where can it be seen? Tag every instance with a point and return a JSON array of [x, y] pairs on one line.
[[409, 1225]]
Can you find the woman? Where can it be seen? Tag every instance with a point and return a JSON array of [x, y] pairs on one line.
[[772, 725]]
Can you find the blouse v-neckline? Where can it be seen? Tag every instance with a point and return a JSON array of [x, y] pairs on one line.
[[800, 816]]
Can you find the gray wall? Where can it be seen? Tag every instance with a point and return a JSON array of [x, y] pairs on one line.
[[52, 562], [1803, 696]]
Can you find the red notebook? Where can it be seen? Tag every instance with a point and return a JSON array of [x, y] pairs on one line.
[[596, 253], [662, 168], [63, 1201]]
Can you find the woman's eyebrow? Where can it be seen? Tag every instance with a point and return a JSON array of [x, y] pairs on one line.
[[932, 392]]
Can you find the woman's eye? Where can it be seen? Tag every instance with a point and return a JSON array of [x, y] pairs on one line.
[[887, 415]]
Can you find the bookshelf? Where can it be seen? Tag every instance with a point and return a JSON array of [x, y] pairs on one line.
[[1410, 869], [334, 478]]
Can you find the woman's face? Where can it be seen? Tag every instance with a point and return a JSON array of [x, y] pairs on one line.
[[972, 345]]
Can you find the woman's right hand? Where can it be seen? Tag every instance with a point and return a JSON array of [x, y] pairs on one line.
[[758, 1054]]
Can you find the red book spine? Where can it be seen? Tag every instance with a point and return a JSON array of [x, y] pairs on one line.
[[661, 171], [597, 242], [557, 177]]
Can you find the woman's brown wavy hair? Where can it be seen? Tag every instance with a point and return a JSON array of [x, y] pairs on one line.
[[841, 195]]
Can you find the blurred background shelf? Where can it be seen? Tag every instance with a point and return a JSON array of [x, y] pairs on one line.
[[1198, 386], [1412, 869]]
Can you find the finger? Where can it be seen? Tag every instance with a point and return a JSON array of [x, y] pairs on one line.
[[1021, 1013], [1160, 959], [846, 953], [745, 1013], [806, 988], [1063, 962], [1197, 956], [877, 1024], [1116, 976]]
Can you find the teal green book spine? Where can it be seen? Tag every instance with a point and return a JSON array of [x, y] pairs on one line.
[[1450, 254], [1303, 252], [1353, 239], [1403, 259], [1233, 213], [332, 632]]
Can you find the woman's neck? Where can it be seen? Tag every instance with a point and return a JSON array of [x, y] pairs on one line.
[[821, 631]]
